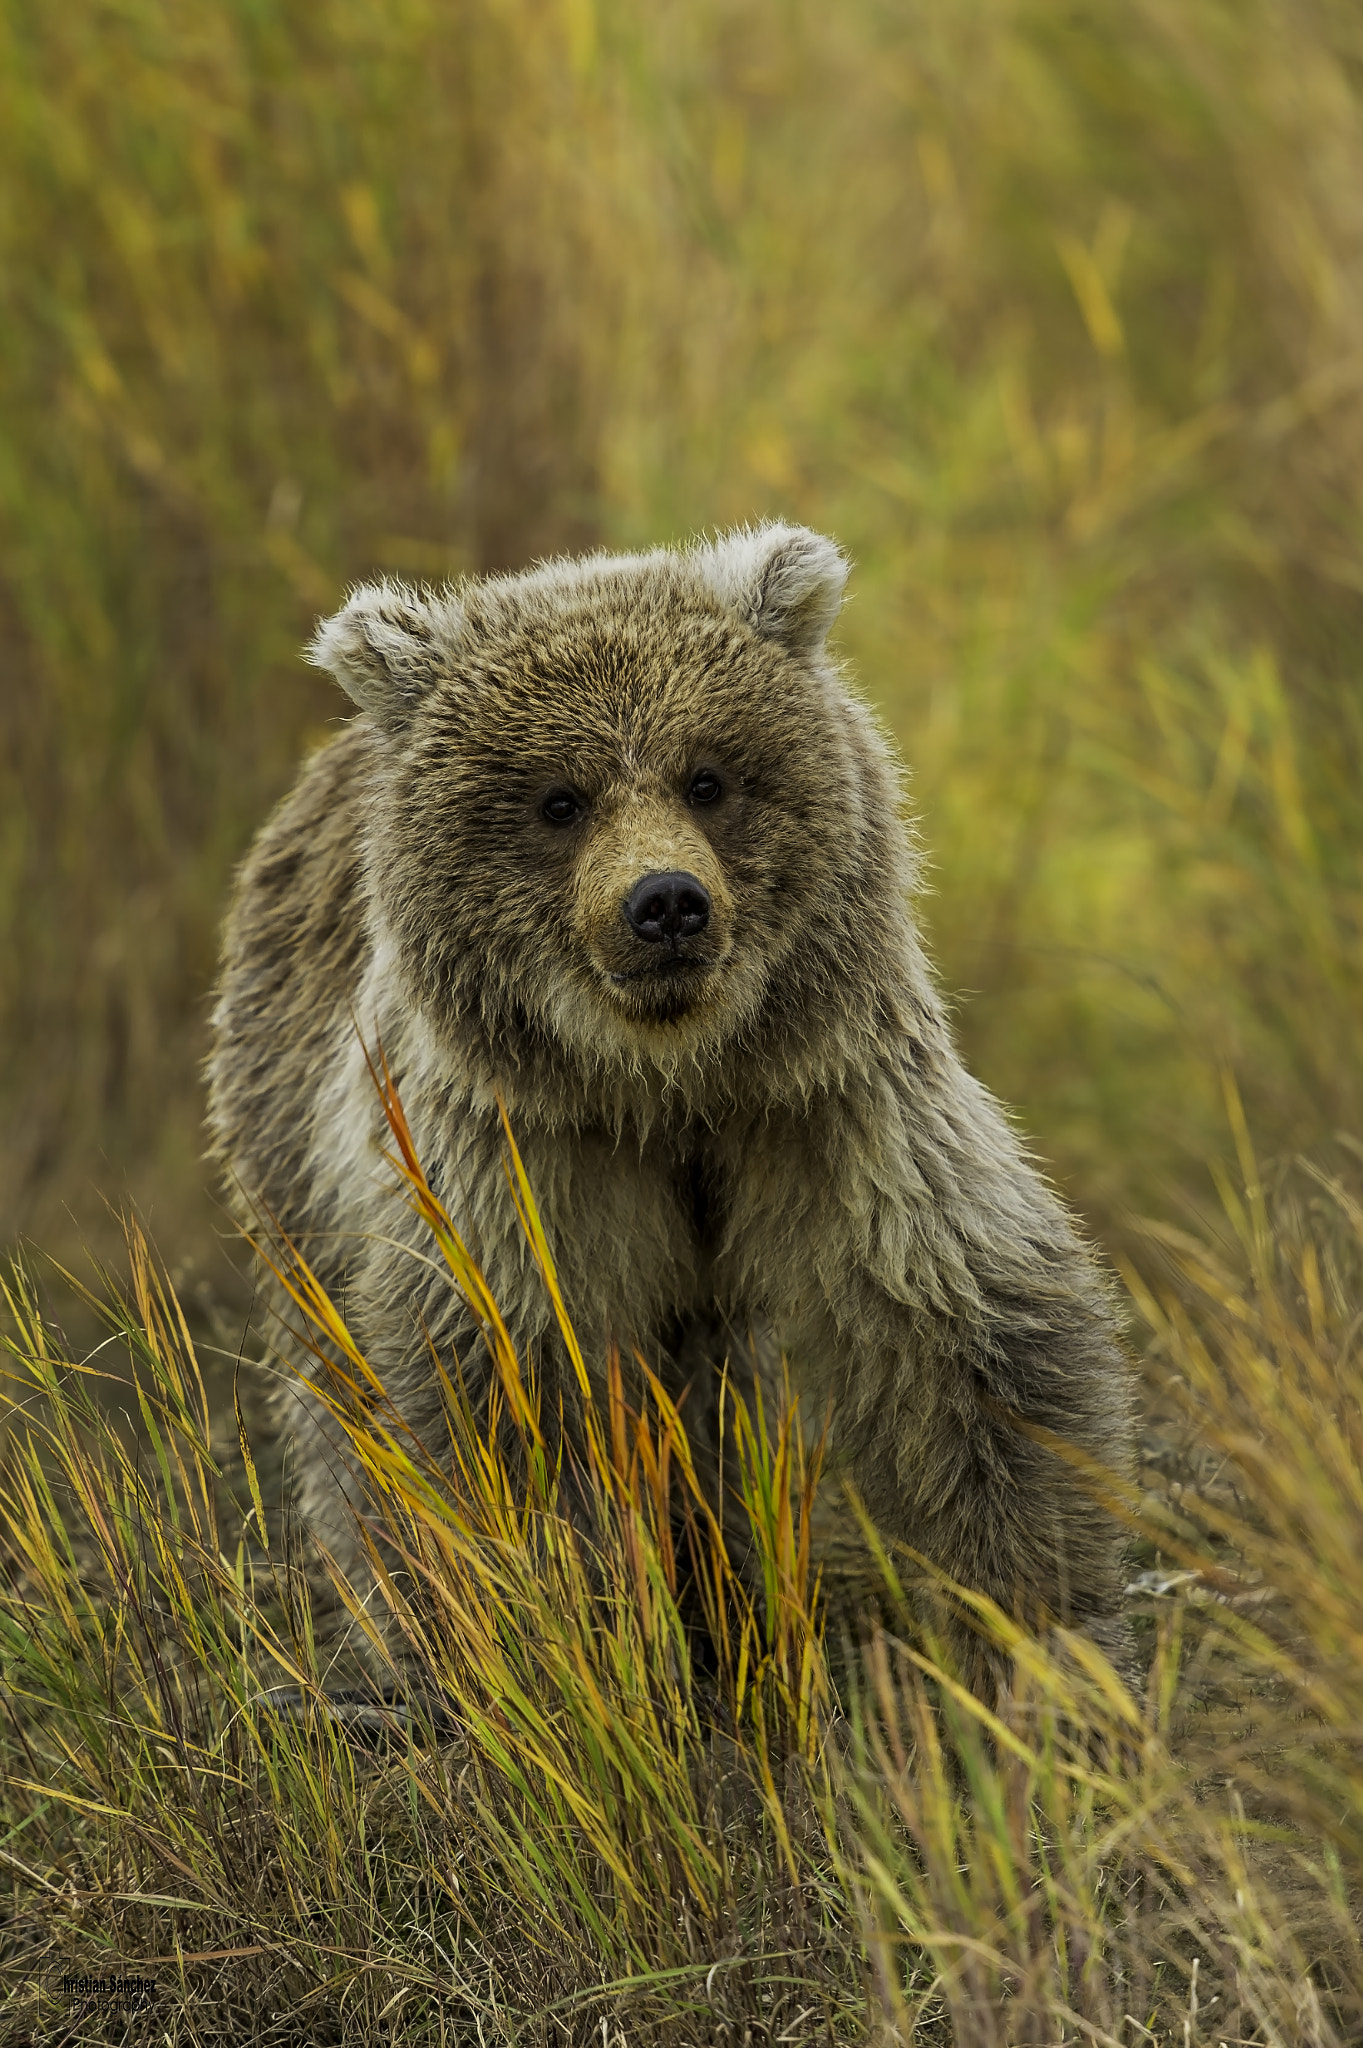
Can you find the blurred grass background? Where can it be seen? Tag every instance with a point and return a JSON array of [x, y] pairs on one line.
[[1050, 313]]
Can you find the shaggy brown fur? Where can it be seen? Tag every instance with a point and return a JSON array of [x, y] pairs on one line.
[[740, 1115]]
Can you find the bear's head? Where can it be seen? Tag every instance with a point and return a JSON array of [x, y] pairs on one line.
[[623, 803]]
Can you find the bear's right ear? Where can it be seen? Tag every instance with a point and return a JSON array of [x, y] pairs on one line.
[[785, 581], [386, 646]]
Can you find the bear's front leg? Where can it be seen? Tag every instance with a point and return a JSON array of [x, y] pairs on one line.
[[954, 1440], [933, 1297]]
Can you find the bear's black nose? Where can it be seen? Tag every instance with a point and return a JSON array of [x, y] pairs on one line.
[[667, 907]]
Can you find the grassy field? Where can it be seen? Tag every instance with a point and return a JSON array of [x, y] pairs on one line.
[[1055, 318], [649, 1815]]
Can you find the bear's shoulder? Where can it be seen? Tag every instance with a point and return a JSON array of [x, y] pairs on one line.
[[295, 947]]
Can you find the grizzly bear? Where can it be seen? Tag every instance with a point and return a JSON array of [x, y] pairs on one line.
[[612, 840]]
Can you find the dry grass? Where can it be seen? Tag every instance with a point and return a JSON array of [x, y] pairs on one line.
[[625, 1802]]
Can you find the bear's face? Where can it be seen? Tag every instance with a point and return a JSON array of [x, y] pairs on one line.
[[619, 797]]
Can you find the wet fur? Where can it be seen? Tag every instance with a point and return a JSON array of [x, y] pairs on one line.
[[783, 1145]]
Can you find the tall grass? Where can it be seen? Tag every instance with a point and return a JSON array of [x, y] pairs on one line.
[[1053, 320], [575, 1826]]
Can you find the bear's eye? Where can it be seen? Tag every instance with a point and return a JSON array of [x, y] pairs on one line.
[[706, 787], [561, 806]]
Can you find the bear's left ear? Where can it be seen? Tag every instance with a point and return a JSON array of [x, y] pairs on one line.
[[387, 645], [785, 581]]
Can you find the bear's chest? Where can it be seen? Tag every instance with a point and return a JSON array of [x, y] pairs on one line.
[[635, 1224]]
